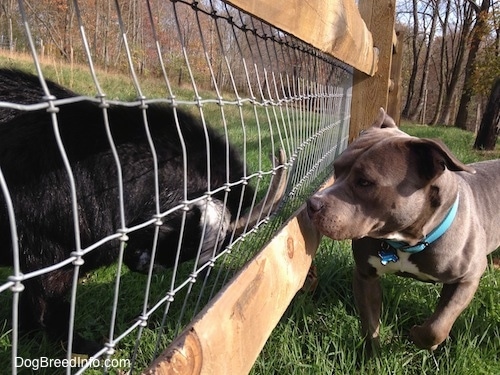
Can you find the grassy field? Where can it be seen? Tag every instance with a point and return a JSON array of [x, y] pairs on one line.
[[320, 332]]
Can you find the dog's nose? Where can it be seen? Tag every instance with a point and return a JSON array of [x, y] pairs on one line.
[[314, 204]]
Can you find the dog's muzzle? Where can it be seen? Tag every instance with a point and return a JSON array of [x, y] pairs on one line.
[[314, 205]]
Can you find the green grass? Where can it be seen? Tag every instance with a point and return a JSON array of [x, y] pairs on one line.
[[116, 85], [320, 333], [459, 141]]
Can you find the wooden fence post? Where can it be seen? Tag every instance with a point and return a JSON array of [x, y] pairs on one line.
[[394, 100], [369, 93]]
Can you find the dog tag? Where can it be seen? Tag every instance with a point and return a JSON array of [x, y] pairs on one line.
[[387, 256]]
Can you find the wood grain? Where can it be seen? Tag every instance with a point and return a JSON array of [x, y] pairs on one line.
[[334, 27], [369, 93]]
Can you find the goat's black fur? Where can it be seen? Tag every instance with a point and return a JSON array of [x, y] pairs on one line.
[[40, 189]]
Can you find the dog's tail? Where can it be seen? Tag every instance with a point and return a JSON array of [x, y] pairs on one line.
[[269, 203]]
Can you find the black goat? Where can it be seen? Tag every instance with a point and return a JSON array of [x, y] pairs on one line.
[[40, 190]]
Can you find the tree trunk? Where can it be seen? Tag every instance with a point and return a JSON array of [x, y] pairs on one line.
[[478, 32], [490, 124], [106, 48], [456, 69], [425, 73], [442, 73], [411, 85], [7, 10]]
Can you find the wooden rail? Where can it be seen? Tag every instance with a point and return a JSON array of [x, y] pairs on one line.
[[333, 26], [228, 335]]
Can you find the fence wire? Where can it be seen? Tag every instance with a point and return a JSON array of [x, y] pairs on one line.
[[259, 89]]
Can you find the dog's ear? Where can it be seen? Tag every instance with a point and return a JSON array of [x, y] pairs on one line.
[[383, 120], [433, 157]]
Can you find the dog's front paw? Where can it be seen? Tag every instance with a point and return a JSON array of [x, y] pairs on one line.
[[425, 338], [371, 347]]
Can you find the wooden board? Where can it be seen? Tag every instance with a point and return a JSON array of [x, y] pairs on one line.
[[228, 335], [333, 26], [371, 93]]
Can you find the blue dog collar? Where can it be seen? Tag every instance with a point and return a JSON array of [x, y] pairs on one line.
[[388, 256]]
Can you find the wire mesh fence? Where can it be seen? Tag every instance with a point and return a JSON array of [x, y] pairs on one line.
[[144, 167]]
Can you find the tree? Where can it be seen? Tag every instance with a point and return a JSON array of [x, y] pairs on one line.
[[487, 66], [416, 53], [441, 30], [441, 74], [490, 124], [6, 10], [456, 70], [479, 31], [425, 73]]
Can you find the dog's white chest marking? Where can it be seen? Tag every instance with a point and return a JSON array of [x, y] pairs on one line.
[[402, 265]]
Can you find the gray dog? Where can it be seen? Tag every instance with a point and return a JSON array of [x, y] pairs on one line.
[[412, 208]]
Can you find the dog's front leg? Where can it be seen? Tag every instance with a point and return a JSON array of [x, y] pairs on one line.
[[367, 291], [453, 300], [368, 299]]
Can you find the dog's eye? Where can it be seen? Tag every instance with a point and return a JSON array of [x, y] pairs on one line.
[[363, 182]]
